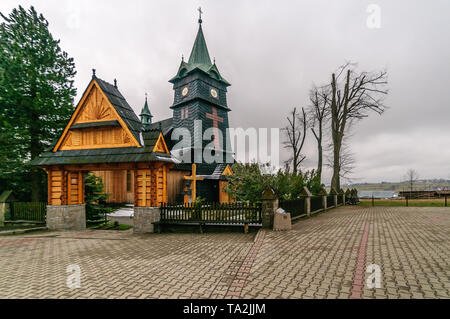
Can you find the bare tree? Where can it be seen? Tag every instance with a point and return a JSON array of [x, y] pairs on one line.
[[411, 177], [296, 133], [346, 163], [319, 113], [353, 97]]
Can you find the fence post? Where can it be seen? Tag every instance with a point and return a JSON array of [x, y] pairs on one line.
[[342, 193], [2, 214], [307, 194], [269, 206], [407, 204], [335, 197], [445, 200], [373, 201], [324, 195]]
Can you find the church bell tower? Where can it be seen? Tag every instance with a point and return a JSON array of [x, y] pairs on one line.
[[200, 98]]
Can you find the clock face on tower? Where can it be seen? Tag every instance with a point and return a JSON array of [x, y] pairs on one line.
[[185, 91], [214, 93]]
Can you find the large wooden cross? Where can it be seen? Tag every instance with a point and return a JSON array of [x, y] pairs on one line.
[[194, 178], [144, 179], [216, 119]]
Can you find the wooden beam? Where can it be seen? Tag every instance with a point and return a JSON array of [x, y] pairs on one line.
[[194, 180]]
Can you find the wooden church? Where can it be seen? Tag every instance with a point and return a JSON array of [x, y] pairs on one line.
[[136, 157]]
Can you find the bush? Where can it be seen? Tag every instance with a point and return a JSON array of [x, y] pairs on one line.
[[95, 198], [249, 181]]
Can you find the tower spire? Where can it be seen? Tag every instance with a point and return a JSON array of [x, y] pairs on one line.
[[199, 53], [146, 116]]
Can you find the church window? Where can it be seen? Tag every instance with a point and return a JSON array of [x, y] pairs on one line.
[[184, 113]]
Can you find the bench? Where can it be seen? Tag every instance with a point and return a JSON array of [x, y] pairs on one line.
[[201, 224]]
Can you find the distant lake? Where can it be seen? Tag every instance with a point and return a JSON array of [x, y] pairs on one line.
[[377, 194]]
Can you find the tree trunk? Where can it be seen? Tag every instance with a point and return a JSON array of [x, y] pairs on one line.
[[320, 160], [336, 180], [35, 150]]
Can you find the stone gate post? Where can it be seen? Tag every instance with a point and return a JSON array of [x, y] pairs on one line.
[[143, 219], [269, 206]]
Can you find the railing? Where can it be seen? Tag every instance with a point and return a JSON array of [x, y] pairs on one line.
[[35, 212], [330, 201], [296, 207], [424, 202], [316, 203], [211, 213], [340, 200]]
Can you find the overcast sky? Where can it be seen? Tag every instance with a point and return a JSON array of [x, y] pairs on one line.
[[272, 52]]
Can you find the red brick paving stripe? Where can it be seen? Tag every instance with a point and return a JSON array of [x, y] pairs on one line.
[[358, 277], [246, 266]]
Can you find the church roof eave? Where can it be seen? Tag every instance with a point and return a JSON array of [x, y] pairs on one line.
[[199, 68]]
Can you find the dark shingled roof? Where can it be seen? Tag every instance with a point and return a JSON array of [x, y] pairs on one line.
[[207, 171], [108, 155], [166, 126], [146, 138], [122, 107], [102, 155]]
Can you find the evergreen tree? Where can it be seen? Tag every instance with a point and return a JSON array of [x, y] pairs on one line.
[[95, 198], [36, 98]]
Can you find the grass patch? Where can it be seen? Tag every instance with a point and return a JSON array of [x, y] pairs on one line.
[[435, 202], [111, 226], [20, 226]]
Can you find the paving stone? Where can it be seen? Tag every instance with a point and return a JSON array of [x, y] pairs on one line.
[[322, 257]]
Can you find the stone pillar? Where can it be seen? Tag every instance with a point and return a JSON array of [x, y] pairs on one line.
[[143, 219], [324, 195], [335, 201], [67, 217], [342, 193], [308, 205], [2, 214], [269, 206], [307, 194], [334, 193]]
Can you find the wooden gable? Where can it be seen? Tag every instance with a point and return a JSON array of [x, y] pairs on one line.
[[227, 171], [160, 145], [95, 124]]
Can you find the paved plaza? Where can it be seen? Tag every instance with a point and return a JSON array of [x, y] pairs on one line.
[[325, 256]]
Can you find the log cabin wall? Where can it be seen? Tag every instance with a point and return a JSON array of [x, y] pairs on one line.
[[143, 187], [119, 184], [75, 188], [175, 183], [56, 186]]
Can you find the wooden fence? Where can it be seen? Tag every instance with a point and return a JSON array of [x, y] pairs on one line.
[[211, 213], [296, 207], [330, 201], [316, 203], [34, 212]]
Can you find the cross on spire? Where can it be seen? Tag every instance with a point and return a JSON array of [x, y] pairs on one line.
[[200, 12]]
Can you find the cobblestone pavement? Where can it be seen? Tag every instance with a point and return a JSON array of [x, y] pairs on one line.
[[322, 257]]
